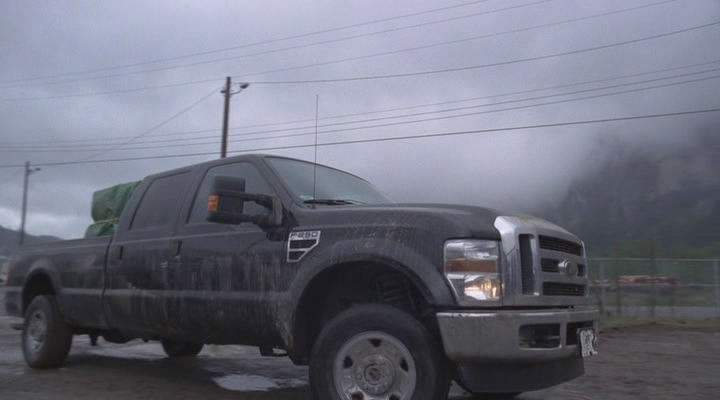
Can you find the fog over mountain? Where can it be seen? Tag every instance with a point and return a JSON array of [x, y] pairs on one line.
[[663, 195]]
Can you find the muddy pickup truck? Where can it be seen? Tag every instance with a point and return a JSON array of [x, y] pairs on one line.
[[382, 300]]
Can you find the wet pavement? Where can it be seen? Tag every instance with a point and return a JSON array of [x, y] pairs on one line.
[[649, 362]]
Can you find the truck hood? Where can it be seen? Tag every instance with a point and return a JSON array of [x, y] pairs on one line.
[[455, 220], [461, 220]]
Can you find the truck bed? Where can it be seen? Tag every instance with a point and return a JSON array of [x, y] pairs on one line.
[[76, 268]]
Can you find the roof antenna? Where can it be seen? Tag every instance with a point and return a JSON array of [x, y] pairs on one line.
[[317, 101]]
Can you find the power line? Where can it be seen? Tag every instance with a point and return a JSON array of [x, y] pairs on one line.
[[294, 68], [295, 47], [148, 131], [348, 59], [494, 104], [388, 139], [85, 141], [487, 131], [488, 65], [78, 148], [384, 125], [106, 92], [254, 44], [337, 116]]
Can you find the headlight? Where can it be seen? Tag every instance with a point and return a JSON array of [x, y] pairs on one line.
[[471, 267]]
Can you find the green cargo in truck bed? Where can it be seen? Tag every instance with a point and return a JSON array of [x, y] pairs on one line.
[[107, 205]]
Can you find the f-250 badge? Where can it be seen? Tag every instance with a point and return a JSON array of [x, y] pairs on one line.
[[301, 243]]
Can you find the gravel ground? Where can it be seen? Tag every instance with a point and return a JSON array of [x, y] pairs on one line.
[[641, 362]]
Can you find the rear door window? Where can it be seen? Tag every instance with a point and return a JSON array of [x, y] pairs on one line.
[[161, 202]]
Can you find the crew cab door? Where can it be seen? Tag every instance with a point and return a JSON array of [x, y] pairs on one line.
[[141, 256], [223, 286]]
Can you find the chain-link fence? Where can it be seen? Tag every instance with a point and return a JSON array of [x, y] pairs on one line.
[[657, 288]]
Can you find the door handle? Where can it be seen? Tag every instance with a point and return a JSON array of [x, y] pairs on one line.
[[116, 252], [177, 247]]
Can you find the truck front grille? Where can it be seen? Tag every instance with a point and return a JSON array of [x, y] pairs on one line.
[[565, 246], [526, 264], [549, 265], [552, 265], [563, 289], [544, 264]]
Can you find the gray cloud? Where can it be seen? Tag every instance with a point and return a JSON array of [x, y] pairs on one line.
[[509, 170]]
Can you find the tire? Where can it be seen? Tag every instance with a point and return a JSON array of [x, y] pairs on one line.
[[385, 352], [175, 349], [46, 337]]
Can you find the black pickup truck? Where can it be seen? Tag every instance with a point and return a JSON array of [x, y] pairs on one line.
[[382, 300]]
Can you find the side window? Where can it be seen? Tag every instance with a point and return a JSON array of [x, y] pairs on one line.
[[160, 202], [254, 183]]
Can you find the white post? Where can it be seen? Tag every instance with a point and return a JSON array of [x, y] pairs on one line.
[[716, 268], [602, 288]]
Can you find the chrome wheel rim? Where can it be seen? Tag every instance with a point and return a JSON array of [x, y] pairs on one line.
[[36, 332], [374, 366]]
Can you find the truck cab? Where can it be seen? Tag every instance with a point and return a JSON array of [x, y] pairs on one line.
[[382, 300]]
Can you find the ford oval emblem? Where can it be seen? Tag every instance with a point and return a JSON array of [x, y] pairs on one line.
[[568, 268]]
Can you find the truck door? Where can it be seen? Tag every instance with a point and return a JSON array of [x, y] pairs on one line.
[[223, 285], [141, 255]]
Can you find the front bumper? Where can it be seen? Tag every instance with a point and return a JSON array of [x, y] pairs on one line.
[[495, 336]]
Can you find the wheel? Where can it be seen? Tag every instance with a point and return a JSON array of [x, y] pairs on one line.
[[377, 352], [46, 337], [175, 349], [489, 396]]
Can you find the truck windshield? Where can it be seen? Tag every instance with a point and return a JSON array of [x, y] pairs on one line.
[[333, 187]]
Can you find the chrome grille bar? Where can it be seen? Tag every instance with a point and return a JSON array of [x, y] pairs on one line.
[[543, 264]]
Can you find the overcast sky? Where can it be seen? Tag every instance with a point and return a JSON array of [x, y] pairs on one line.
[[53, 51]]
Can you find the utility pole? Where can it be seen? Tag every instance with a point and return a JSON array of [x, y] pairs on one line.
[[716, 268], [28, 171], [228, 93], [653, 277]]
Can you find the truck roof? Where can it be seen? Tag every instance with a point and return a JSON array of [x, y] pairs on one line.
[[243, 157]]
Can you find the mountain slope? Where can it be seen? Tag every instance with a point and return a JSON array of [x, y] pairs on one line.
[[9, 239], [669, 196]]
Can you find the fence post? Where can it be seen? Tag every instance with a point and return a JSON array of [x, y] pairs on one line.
[[653, 286], [618, 297], [716, 267], [671, 289], [602, 288]]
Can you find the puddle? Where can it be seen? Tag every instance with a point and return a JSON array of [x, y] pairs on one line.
[[140, 351], [256, 383]]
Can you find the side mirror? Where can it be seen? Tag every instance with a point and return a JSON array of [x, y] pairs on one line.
[[227, 199]]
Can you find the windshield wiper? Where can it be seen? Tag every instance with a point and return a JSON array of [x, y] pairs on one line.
[[333, 202]]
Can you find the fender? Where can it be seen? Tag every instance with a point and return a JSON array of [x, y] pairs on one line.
[[42, 267], [418, 268]]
